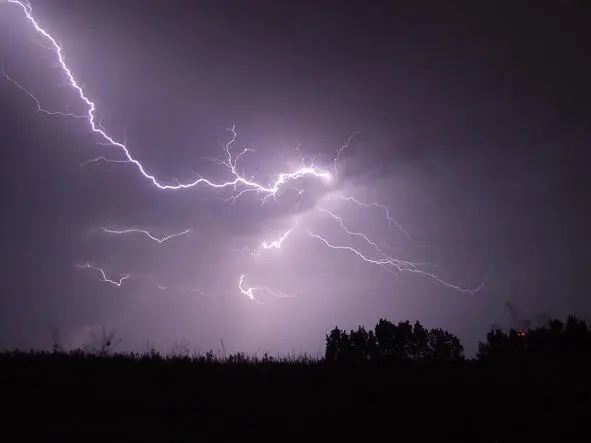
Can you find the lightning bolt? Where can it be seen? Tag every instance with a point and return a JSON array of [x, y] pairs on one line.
[[182, 288], [193, 290], [231, 161], [276, 244], [37, 102], [103, 159], [159, 240], [103, 274], [237, 183], [250, 291], [391, 220], [389, 263], [341, 149], [373, 244], [273, 244], [395, 265], [163, 286]]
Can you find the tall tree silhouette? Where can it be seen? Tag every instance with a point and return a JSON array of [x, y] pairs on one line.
[[336, 342]]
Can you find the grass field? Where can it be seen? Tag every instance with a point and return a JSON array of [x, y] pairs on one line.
[[75, 396]]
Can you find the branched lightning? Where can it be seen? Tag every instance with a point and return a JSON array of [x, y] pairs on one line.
[[145, 233], [37, 102], [389, 260], [103, 159], [231, 161], [249, 292], [395, 265], [103, 274], [237, 183], [391, 220], [169, 287]]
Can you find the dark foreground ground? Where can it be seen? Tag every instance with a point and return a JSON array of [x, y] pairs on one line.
[[61, 397]]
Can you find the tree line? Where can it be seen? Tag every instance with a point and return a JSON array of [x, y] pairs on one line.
[[555, 341]]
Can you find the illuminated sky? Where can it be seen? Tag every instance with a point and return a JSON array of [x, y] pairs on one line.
[[469, 133]]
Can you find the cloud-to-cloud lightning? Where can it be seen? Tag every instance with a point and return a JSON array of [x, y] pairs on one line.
[[145, 233], [237, 183], [103, 274]]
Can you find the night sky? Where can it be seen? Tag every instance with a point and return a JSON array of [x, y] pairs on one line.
[[471, 124]]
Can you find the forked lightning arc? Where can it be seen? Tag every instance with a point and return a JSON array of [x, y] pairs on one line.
[[238, 184], [146, 233], [103, 274]]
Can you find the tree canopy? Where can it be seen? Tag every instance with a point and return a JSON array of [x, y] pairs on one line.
[[388, 341], [555, 343]]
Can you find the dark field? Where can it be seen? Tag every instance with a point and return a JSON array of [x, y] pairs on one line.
[[520, 391]]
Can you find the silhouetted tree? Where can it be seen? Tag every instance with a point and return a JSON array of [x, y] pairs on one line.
[[542, 348], [335, 344], [398, 342], [359, 344], [419, 345], [392, 341], [443, 346], [502, 347]]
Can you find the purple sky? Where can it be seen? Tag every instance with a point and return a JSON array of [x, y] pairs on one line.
[[471, 133]]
